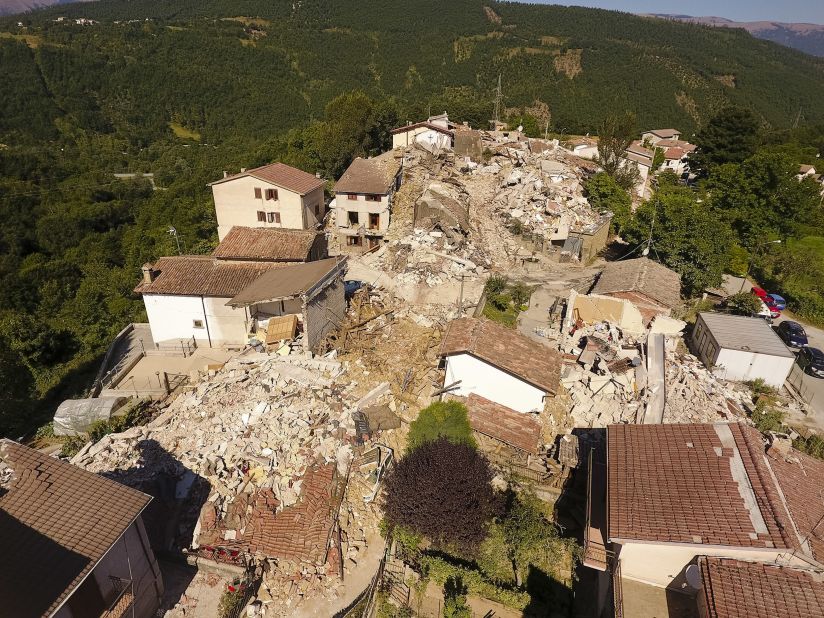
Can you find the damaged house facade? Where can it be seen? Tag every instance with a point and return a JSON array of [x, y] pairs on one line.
[[75, 542], [363, 198], [434, 133], [673, 499], [499, 365], [653, 288], [271, 196]]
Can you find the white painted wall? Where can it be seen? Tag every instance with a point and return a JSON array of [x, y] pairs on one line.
[[743, 366], [661, 564], [423, 135], [363, 207], [490, 382], [172, 318], [586, 151], [236, 204]]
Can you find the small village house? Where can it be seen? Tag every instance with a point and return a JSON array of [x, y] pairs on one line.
[[499, 364], [271, 196], [667, 501], [74, 542], [435, 133], [641, 158], [653, 288], [656, 135], [313, 291], [741, 348], [363, 198]]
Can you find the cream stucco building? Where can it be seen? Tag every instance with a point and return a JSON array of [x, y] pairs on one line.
[[271, 196]]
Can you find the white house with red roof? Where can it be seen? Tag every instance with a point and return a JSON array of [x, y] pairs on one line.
[[272, 196], [434, 132]]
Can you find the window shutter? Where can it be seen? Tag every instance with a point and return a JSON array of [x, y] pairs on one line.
[[261, 215], [257, 193], [277, 217], [274, 194]]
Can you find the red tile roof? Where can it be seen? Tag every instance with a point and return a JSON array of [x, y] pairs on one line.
[[299, 532], [202, 275], [692, 484], [665, 133], [281, 175], [642, 275], [266, 244], [428, 125], [739, 589], [56, 522], [506, 349], [523, 431], [674, 154]]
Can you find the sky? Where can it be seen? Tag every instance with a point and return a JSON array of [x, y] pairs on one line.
[[811, 11]]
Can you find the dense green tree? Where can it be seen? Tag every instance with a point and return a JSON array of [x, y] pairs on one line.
[[441, 419], [743, 303], [616, 134], [606, 195], [730, 137]]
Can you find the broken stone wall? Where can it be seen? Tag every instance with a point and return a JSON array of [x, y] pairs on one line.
[[324, 313]]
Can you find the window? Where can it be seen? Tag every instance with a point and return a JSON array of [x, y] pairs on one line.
[[352, 196], [353, 218], [273, 217], [354, 241], [261, 215], [197, 323], [271, 194], [374, 221], [373, 198], [257, 193]]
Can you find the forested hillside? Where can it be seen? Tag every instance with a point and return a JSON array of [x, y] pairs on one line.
[[185, 89]]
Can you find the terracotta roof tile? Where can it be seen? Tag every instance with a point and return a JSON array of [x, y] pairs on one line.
[[56, 522], [641, 275], [665, 133], [675, 483], [374, 176], [266, 244], [506, 349], [202, 275], [739, 589], [517, 429], [427, 124], [281, 175]]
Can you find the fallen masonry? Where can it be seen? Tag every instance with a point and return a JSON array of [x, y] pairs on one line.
[[253, 466]]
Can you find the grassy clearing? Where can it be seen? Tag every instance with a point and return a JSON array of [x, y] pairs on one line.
[[184, 133], [32, 40], [249, 21], [508, 318]]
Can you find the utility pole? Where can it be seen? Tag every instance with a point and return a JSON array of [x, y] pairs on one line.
[[460, 298], [498, 99]]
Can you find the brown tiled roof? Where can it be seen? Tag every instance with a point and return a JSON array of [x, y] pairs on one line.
[[375, 176], [739, 589], [665, 133], [288, 281], [638, 148], [266, 244], [641, 275], [506, 349], [202, 275], [281, 175], [416, 125], [676, 143], [299, 532], [56, 523], [517, 429], [801, 479], [674, 153], [684, 484]]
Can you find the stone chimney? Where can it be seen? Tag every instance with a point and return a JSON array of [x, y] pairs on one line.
[[148, 273]]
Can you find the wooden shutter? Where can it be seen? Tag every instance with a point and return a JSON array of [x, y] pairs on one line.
[[257, 193], [261, 215], [277, 217]]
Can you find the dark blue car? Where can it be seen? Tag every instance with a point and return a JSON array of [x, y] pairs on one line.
[[792, 333], [778, 301], [811, 360]]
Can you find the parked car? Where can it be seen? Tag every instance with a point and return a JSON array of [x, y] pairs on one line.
[[764, 312], [811, 360], [775, 312], [778, 301], [760, 292], [792, 333]]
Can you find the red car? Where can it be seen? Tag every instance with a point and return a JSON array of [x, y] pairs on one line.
[[760, 292]]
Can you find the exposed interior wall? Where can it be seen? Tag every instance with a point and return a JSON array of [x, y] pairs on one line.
[[363, 209], [592, 308], [488, 381], [647, 306], [324, 313], [422, 135], [236, 204]]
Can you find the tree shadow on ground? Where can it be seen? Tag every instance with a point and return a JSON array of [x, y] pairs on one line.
[[549, 598]]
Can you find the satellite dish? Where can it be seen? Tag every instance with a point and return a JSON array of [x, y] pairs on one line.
[[693, 575]]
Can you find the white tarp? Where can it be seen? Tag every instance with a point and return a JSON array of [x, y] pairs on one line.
[[75, 416]]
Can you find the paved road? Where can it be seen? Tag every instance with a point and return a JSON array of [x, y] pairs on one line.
[[813, 387]]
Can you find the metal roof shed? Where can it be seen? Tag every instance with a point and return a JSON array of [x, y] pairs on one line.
[[741, 348]]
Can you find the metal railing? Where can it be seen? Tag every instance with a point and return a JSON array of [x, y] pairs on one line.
[[124, 599], [617, 590]]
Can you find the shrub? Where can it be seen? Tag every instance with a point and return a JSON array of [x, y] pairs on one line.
[[442, 491], [72, 446], [501, 302], [496, 284], [743, 303], [439, 569], [767, 418], [813, 445], [230, 603], [454, 598], [442, 419], [516, 226], [520, 293], [759, 387]]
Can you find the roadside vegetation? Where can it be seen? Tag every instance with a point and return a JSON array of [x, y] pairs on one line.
[[505, 300]]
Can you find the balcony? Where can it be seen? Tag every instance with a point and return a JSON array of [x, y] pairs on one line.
[[123, 601]]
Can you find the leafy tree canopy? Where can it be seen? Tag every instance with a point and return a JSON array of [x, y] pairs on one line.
[[442, 419], [730, 137], [616, 134], [606, 195]]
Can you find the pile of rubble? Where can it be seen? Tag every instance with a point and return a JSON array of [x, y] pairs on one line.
[[607, 378], [270, 441]]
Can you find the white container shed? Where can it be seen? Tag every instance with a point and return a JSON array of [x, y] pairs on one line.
[[740, 348]]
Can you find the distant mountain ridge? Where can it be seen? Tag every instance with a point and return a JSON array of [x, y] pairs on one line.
[[808, 38], [12, 7]]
